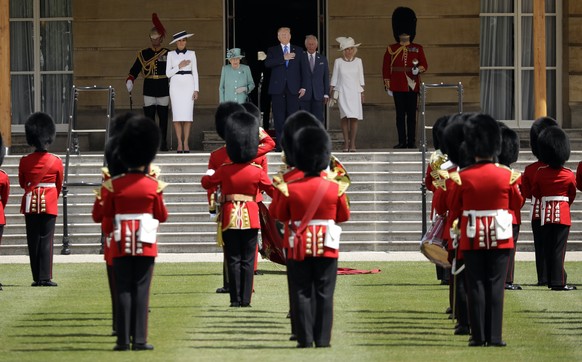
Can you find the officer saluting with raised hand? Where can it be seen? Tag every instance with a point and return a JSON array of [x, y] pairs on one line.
[[152, 63]]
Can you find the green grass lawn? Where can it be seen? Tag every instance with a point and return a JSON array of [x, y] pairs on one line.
[[396, 315]]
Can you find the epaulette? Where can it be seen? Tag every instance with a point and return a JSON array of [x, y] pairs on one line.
[[456, 177], [440, 184], [105, 172], [282, 186], [155, 171], [97, 193], [515, 175], [161, 186], [108, 185]]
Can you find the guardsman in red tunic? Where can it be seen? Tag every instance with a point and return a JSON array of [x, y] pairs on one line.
[[401, 68], [311, 206], [526, 190], [240, 182], [135, 205], [220, 156], [40, 174], [4, 192], [509, 155], [151, 62], [483, 199], [555, 187]]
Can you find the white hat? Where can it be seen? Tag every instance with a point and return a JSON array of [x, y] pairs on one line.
[[180, 35], [346, 42]]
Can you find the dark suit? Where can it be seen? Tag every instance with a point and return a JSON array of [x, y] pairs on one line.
[[284, 84], [316, 85]]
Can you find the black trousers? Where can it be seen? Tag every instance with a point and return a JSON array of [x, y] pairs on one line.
[[240, 247], [314, 107], [460, 293], [40, 231], [555, 238], [406, 105], [511, 263], [113, 292], [540, 254], [485, 271], [162, 111], [283, 105], [314, 281], [133, 278]]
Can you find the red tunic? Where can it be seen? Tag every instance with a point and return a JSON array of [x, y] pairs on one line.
[[40, 174], [4, 192], [398, 64], [527, 179], [292, 207], [132, 193], [556, 190], [579, 176], [244, 180], [486, 188]]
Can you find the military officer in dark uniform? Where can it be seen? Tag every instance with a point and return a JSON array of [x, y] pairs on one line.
[[403, 63], [151, 62]]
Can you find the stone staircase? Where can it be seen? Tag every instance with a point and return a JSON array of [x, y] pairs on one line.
[[385, 195]]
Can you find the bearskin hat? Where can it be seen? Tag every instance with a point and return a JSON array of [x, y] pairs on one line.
[[483, 136], [114, 163], [536, 128], [138, 142], [242, 137], [2, 150], [252, 109], [437, 131], [293, 124], [312, 147], [403, 22], [553, 147], [509, 145], [224, 110], [453, 140], [40, 130]]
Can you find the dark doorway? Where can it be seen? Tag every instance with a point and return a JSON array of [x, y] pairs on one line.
[[252, 26]]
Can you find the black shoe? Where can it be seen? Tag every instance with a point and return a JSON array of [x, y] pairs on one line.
[[304, 345], [410, 145], [462, 331], [400, 145], [449, 310], [293, 337], [142, 347], [34, 284], [114, 333], [325, 345], [445, 282], [496, 344], [121, 347], [223, 290], [47, 283], [235, 305], [565, 288], [474, 343], [288, 314], [541, 284], [511, 286], [245, 305], [164, 147], [258, 272]]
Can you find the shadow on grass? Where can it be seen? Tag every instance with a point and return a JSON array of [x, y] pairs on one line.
[[186, 275], [271, 272]]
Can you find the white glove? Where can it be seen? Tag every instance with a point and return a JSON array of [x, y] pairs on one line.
[[210, 172], [415, 71], [129, 85], [261, 56], [241, 90]]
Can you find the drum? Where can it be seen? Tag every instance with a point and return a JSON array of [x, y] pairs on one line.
[[431, 244], [272, 236]]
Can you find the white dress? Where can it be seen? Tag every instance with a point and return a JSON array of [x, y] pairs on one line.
[[348, 80], [183, 84]]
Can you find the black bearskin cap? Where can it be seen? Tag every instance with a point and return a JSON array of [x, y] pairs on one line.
[[509, 145], [139, 142], [537, 127], [554, 147], [252, 109], [2, 150], [224, 110], [437, 131], [114, 163], [403, 22], [453, 140], [312, 150], [40, 130], [483, 136], [293, 123], [242, 137]]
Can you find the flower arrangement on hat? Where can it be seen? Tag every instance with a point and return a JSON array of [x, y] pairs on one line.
[[346, 42], [234, 53]]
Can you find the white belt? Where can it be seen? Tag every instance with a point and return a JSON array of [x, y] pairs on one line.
[[332, 235], [545, 200], [324, 222], [46, 185], [120, 217], [482, 213]]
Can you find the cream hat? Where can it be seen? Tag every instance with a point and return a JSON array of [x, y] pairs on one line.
[[180, 35], [346, 42]]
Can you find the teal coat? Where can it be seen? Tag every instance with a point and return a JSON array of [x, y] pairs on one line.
[[230, 79]]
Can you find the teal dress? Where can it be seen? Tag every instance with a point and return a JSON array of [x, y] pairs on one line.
[[231, 79]]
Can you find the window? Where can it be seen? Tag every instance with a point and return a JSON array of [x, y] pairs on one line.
[[41, 58], [506, 64]]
